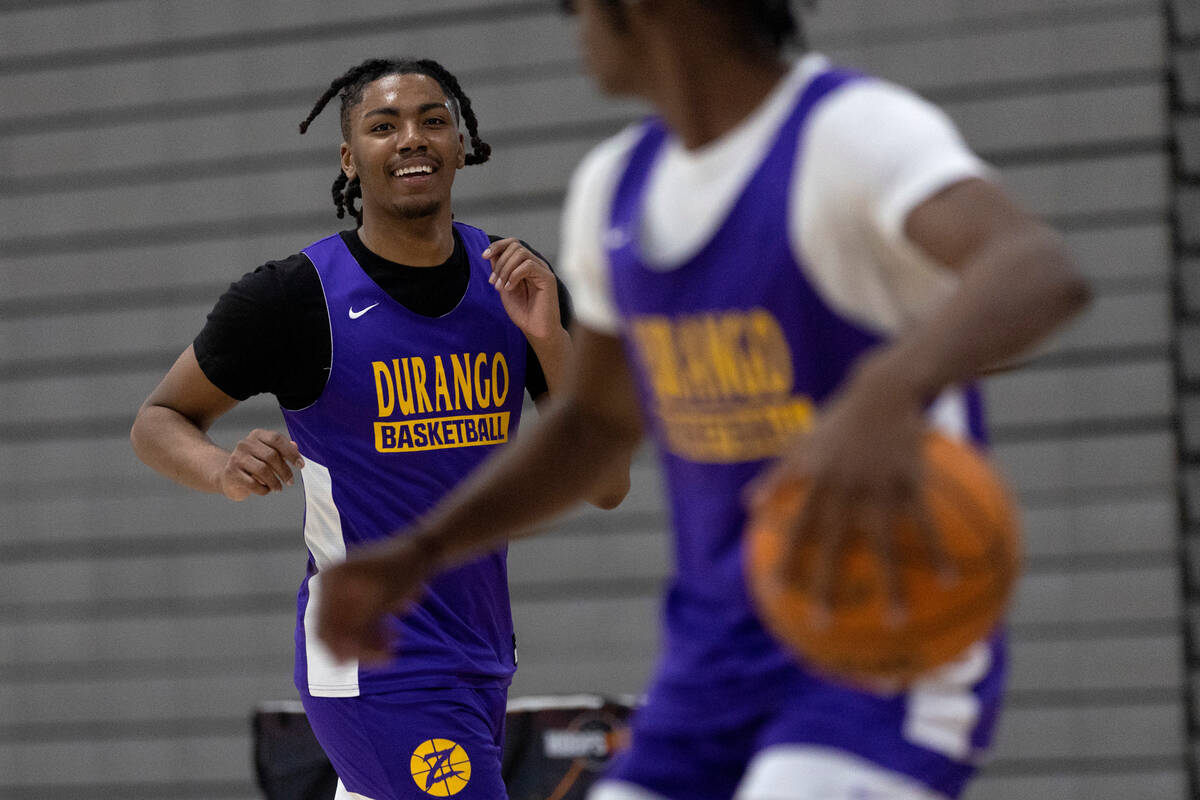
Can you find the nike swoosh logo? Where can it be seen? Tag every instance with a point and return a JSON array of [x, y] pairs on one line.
[[356, 314]]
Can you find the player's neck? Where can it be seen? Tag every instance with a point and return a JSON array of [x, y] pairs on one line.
[[707, 93], [422, 242]]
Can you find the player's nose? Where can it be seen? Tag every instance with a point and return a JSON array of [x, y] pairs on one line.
[[412, 137]]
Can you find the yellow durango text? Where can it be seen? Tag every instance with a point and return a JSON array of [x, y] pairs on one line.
[[458, 382]]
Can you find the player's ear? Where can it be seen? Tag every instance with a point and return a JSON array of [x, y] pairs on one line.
[[462, 153], [347, 161]]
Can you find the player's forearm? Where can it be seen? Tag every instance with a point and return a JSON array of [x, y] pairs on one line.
[[562, 461], [173, 445], [553, 353], [613, 483], [1013, 294]]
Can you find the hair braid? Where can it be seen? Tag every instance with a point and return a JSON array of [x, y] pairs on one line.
[[480, 150], [350, 85]]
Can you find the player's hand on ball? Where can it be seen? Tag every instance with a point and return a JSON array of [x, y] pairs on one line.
[[358, 595], [261, 463], [861, 465], [527, 286]]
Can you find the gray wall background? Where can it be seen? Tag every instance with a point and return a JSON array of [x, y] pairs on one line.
[[149, 156]]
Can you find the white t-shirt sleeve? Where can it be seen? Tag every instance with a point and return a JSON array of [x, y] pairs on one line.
[[872, 153], [583, 262]]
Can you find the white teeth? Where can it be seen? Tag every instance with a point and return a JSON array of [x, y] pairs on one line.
[[421, 170]]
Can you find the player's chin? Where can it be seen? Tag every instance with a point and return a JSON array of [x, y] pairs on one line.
[[417, 207]]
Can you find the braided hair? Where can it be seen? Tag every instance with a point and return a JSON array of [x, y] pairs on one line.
[[350, 86]]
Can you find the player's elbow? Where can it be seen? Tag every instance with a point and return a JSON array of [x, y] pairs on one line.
[[138, 434], [611, 495], [1069, 290]]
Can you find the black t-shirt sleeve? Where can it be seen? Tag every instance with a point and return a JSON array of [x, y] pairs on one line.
[[261, 337], [535, 376]]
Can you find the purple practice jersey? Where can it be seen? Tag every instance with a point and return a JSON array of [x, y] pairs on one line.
[[412, 404], [733, 352]]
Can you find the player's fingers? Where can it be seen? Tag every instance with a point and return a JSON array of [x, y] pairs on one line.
[[935, 550], [771, 480], [240, 484], [496, 248], [513, 260], [501, 269], [259, 471], [830, 525], [877, 522], [496, 252], [801, 528], [288, 450], [527, 270]]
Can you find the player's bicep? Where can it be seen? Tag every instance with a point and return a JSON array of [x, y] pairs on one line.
[[186, 390], [963, 219]]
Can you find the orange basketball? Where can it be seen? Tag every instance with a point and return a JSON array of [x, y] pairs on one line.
[[976, 523]]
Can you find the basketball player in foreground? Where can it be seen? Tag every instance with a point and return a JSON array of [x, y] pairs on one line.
[[777, 277], [398, 352]]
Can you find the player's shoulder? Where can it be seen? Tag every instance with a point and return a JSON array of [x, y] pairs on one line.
[[873, 107], [605, 160], [278, 281]]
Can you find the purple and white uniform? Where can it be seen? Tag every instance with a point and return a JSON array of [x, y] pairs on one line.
[[746, 279], [412, 405]]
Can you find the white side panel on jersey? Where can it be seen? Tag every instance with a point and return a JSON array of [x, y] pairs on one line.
[[942, 708], [948, 414], [804, 772], [342, 794], [621, 790], [322, 522], [323, 536]]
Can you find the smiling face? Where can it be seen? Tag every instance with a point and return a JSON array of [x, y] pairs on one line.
[[402, 143]]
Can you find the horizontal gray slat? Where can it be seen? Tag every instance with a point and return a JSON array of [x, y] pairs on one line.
[[1104, 783], [1078, 666], [877, 18], [1124, 255], [1095, 186], [145, 760], [1095, 731], [1089, 465], [1079, 395], [1064, 532], [1060, 119], [1050, 52], [1120, 322], [182, 76], [119, 28], [1111, 595], [181, 699], [159, 637]]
